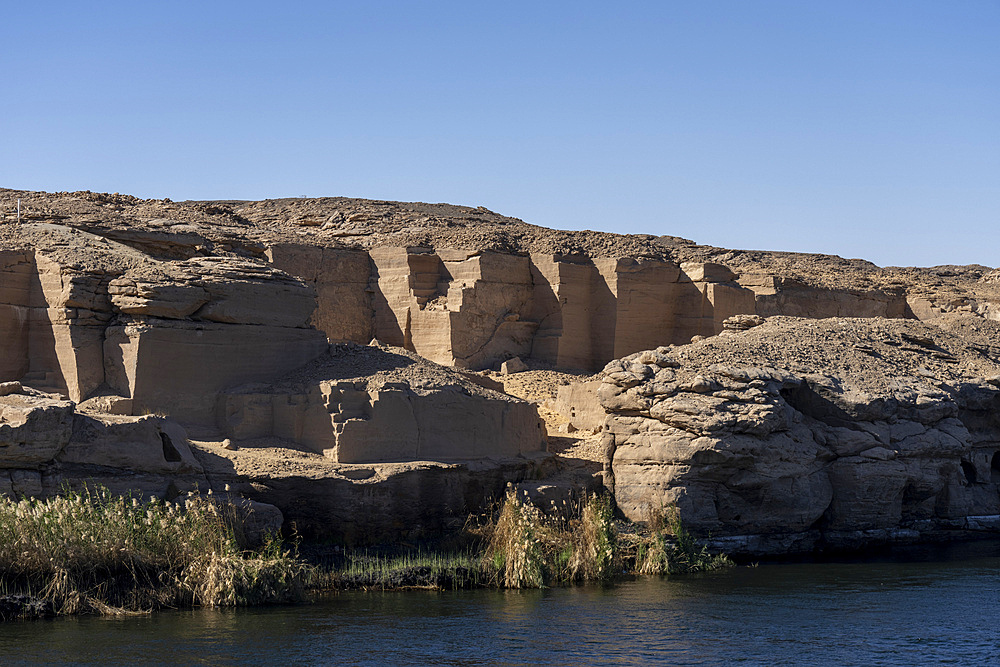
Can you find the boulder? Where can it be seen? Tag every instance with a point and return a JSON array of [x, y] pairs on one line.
[[33, 429], [512, 366]]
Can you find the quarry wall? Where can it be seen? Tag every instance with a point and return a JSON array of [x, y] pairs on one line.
[[475, 309]]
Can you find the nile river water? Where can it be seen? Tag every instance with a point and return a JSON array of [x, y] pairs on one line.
[[932, 606]]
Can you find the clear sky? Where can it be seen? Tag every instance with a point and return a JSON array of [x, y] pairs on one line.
[[860, 128]]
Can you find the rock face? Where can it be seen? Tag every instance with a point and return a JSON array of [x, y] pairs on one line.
[[475, 309], [800, 434], [365, 504], [225, 347], [775, 295], [33, 429], [361, 404], [88, 317], [459, 285], [46, 442], [579, 405], [777, 435]]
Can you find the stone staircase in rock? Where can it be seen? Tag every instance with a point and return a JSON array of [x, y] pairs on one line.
[[347, 403], [426, 287]]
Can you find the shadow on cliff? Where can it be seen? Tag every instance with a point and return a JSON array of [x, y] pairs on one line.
[[366, 505], [386, 327], [576, 330], [44, 370], [805, 399]]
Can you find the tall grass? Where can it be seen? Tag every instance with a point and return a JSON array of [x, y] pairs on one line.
[[96, 552], [416, 569], [93, 551], [516, 545], [668, 548], [528, 549]]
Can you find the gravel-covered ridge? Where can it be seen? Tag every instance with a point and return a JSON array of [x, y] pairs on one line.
[[880, 357]]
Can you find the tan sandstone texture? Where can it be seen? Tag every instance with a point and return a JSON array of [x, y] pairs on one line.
[[283, 337], [798, 434], [365, 404]]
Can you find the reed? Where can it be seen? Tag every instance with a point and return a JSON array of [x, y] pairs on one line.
[[515, 547], [519, 546], [416, 569], [528, 549], [668, 548], [93, 551]]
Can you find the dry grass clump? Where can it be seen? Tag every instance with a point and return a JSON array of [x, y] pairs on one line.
[[516, 546], [670, 549], [528, 549], [93, 551]]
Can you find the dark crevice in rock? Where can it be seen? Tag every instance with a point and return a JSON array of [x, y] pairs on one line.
[[969, 471], [170, 453]]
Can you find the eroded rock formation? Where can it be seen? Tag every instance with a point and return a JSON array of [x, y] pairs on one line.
[[128, 326], [474, 309], [45, 442], [799, 434], [114, 356], [87, 316], [360, 404]]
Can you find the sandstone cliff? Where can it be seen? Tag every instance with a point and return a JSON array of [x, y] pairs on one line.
[[466, 286], [798, 434], [145, 332], [114, 357]]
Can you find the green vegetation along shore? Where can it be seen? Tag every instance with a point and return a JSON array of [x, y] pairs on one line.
[[519, 546], [95, 552]]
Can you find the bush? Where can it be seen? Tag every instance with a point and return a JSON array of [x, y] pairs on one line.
[[515, 549], [528, 549]]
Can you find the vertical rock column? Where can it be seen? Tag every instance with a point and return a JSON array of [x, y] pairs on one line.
[[488, 298], [593, 310], [646, 306], [454, 307], [69, 310], [16, 269], [575, 311]]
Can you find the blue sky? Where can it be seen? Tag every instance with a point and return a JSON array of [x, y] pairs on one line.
[[865, 129]]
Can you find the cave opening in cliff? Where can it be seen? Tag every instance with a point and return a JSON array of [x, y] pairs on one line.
[[970, 472], [170, 453], [995, 468]]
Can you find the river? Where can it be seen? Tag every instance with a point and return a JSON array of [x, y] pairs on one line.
[[921, 606]]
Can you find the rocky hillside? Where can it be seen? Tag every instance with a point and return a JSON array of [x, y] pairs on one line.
[[247, 228], [320, 355]]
